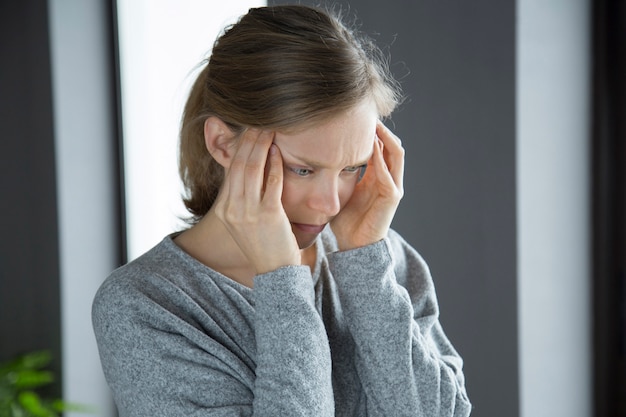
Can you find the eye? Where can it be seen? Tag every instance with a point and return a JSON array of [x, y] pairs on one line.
[[301, 172], [360, 169]]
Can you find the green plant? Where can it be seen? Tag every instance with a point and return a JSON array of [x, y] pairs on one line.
[[19, 380]]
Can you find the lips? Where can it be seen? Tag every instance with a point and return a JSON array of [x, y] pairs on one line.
[[309, 228]]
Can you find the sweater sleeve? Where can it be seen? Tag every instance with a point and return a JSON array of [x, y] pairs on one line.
[[293, 374], [405, 362], [165, 354]]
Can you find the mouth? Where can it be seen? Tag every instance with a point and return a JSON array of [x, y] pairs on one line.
[[309, 228]]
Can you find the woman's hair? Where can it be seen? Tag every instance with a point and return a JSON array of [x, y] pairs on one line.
[[277, 68]]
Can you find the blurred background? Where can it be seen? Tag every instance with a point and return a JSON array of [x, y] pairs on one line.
[[514, 127]]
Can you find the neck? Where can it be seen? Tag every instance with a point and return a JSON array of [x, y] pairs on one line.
[[226, 257]]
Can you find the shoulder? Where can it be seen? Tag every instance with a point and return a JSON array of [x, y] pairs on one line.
[[404, 253], [144, 283], [410, 268], [126, 290], [405, 259], [132, 276], [401, 251], [165, 287]]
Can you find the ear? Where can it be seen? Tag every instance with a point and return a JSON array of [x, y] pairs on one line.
[[218, 139]]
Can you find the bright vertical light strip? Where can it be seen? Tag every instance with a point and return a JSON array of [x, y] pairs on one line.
[[553, 127], [161, 43]]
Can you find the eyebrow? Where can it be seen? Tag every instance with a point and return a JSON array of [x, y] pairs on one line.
[[318, 165]]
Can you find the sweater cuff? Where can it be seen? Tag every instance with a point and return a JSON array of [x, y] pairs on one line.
[[284, 281], [366, 264]]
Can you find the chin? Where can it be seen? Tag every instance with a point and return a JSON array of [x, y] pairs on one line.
[[305, 243]]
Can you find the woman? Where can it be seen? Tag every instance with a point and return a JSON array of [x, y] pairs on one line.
[[289, 295]]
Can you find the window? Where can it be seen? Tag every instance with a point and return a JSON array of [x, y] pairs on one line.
[[161, 44]]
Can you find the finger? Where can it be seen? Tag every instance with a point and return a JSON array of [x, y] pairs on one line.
[[255, 165], [393, 154], [236, 171], [274, 180], [388, 185], [386, 134], [380, 165]]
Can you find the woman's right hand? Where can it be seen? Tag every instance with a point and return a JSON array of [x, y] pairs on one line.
[[249, 204]]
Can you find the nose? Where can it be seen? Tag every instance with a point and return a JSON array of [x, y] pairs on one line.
[[325, 198]]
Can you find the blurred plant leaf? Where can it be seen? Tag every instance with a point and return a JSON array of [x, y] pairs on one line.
[[18, 379], [63, 406], [29, 379], [32, 403], [33, 360]]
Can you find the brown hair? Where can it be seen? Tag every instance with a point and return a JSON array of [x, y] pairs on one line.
[[277, 68]]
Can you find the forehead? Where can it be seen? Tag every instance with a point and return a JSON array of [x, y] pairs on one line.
[[340, 141]]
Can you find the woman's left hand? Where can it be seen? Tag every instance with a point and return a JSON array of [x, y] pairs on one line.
[[367, 216]]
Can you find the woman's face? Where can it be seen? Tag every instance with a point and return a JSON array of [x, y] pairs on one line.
[[322, 165]]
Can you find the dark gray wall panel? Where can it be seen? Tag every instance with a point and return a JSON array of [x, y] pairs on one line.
[[29, 267]]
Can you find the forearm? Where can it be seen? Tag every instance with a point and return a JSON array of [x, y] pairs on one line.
[[405, 365], [293, 374]]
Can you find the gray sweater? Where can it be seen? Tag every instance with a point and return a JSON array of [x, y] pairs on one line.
[[358, 337]]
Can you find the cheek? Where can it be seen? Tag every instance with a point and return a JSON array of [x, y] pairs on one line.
[[345, 191], [292, 195]]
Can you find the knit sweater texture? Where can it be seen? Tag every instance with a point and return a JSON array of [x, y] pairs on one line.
[[360, 336]]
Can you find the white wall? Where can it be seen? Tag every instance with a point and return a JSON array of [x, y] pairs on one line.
[[161, 44], [553, 58]]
